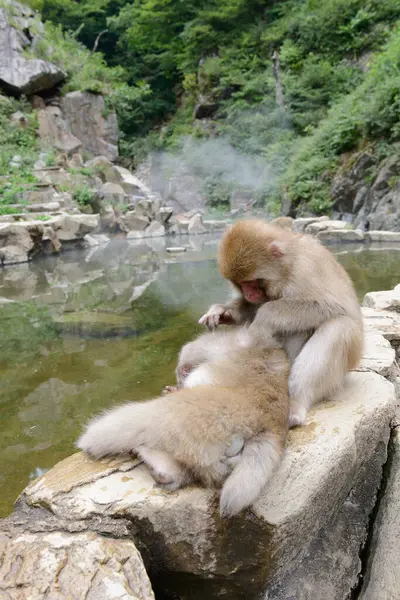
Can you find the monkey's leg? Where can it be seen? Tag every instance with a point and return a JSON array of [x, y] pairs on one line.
[[293, 344], [164, 468], [321, 366], [260, 457]]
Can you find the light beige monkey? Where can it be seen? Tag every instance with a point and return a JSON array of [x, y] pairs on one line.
[[227, 426], [290, 286]]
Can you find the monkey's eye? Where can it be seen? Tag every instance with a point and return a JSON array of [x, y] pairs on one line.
[[185, 370]]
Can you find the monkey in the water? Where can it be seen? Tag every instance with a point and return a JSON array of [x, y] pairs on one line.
[[290, 286], [226, 426]]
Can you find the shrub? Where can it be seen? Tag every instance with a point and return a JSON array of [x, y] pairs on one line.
[[84, 196]]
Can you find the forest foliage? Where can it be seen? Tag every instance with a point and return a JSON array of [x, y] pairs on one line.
[[339, 68]]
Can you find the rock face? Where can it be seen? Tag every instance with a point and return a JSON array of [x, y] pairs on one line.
[[369, 193], [84, 113], [348, 187], [20, 75], [386, 300], [129, 182], [381, 207], [196, 225], [54, 133], [19, 242], [382, 578], [61, 565], [337, 231], [205, 107]]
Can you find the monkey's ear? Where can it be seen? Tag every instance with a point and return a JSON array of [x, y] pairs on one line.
[[277, 249]]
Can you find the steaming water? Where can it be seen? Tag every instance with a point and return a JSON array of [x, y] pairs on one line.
[[89, 329]]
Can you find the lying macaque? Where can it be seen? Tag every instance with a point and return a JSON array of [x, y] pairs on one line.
[[290, 286], [226, 427]]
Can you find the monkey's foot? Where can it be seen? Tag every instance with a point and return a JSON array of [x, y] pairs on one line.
[[297, 415], [169, 389], [236, 446], [172, 486]]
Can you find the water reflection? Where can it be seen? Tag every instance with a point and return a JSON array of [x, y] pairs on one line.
[[86, 329]]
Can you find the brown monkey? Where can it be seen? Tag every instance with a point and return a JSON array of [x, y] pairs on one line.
[[227, 426], [292, 287]]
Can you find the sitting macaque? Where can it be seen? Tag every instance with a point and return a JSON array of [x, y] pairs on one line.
[[290, 286], [226, 426]]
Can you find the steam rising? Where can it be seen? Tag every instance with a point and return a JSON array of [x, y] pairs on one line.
[[187, 170]]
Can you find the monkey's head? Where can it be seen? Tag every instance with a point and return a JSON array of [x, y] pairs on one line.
[[253, 254]]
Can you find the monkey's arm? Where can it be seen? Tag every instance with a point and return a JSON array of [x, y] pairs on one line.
[[235, 312], [286, 316]]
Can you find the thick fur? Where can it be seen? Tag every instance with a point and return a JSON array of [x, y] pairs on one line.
[[230, 430], [311, 306]]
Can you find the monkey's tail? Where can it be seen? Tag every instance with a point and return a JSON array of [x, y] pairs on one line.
[[119, 430], [261, 455]]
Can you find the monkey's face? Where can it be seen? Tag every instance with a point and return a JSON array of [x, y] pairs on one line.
[[182, 371], [251, 255], [253, 291]]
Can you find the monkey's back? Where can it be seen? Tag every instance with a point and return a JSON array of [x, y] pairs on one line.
[[251, 397]]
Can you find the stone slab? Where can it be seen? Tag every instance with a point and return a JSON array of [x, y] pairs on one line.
[[196, 553], [385, 322], [341, 235], [382, 236], [60, 565], [300, 224], [385, 300], [317, 226], [378, 355]]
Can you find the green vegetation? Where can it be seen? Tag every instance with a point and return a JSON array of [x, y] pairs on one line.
[[8, 210], [16, 140], [173, 52], [42, 218], [84, 196], [154, 59]]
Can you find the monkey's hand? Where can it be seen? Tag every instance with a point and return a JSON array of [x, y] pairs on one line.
[[216, 315]]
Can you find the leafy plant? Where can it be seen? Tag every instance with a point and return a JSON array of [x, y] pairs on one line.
[[84, 196], [42, 218], [8, 210]]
